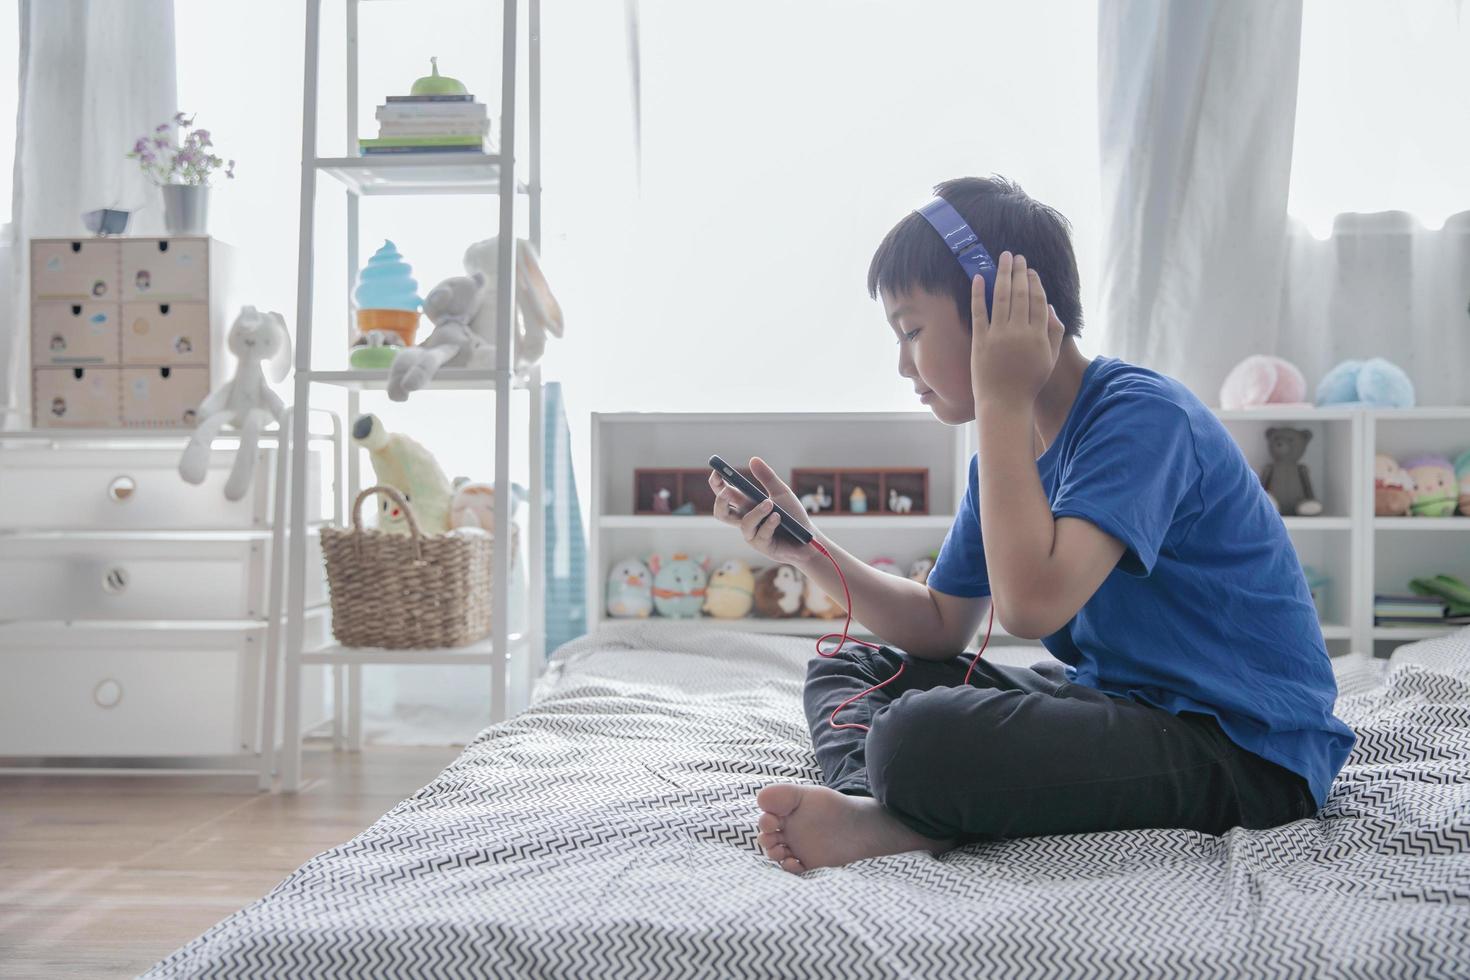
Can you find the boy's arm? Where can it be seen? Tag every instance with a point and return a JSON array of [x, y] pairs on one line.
[[924, 623], [1042, 569]]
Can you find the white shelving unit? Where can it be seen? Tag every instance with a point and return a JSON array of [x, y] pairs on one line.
[[513, 658], [1359, 552]]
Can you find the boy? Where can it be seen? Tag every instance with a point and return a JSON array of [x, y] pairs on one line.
[[1121, 526]]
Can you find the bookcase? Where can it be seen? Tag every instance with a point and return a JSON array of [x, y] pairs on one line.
[[1355, 553]]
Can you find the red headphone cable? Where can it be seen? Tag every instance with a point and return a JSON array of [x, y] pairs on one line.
[[847, 604]]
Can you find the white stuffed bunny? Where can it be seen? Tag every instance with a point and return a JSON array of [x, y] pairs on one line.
[[449, 307], [245, 401]]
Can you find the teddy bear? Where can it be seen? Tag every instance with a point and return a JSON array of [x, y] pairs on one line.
[[679, 584], [1436, 490], [449, 307], [1285, 478], [1393, 487], [258, 341], [778, 592], [406, 466], [629, 590], [817, 604], [731, 591]]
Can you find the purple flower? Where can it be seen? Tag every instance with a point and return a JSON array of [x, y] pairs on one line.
[[148, 156], [141, 145], [202, 135], [161, 127], [160, 142]]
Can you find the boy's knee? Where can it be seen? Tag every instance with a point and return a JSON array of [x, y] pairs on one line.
[[854, 660]]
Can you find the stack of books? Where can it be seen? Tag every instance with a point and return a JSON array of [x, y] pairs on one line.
[[430, 124], [1413, 610]]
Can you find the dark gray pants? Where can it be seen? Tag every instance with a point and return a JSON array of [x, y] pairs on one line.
[[1022, 752]]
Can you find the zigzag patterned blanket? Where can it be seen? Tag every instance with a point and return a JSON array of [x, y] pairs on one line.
[[609, 832]]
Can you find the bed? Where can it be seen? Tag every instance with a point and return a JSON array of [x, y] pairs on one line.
[[608, 831]]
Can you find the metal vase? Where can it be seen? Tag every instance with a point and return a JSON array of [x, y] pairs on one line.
[[186, 208]]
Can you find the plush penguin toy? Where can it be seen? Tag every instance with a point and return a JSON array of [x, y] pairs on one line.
[[778, 592], [629, 590], [731, 591]]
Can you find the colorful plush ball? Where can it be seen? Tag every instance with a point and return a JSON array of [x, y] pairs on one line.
[[1262, 380], [1393, 487], [731, 591], [678, 584], [1374, 383], [1436, 488], [629, 590]]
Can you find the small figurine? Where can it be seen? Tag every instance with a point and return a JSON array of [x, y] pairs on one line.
[[899, 503], [817, 501], [687, 507], [661, 500], [858, 501]]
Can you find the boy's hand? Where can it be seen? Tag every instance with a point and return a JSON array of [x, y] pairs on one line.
[[758, 524], [1014, 347]]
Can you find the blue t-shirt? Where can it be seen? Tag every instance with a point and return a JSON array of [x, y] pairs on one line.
[[1208, 610]]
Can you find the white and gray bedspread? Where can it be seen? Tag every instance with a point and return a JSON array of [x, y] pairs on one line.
[[608, 831]]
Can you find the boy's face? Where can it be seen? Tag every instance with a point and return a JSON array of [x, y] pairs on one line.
[[933, 351]]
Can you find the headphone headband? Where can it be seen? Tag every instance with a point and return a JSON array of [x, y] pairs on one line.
[[962, 243]]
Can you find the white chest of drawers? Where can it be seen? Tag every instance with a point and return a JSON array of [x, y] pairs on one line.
[[134, 608]]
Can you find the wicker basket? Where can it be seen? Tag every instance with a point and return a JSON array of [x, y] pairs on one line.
[[406, 592]]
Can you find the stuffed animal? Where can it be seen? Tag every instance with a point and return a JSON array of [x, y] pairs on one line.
[[406, 466], [1393, 487], [1374, 383], [678, 584], [899, 503], [245, 401], [1286, 479], [473, 505], [817, 604], [1462, 470], [731, 591], [661, 501], [1436, 489], [1261, 380], [921, 567], [629, 590], [449, 307], [778, 592], [537, 312], [817, 501]]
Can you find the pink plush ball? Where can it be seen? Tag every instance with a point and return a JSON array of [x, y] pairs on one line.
[[1262, 380]]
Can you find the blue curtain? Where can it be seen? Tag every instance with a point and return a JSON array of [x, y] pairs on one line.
[[566, 540]]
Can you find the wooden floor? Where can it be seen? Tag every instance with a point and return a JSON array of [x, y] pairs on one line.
[[102, 876]]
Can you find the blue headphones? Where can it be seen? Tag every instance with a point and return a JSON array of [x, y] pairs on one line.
[[962, 241]]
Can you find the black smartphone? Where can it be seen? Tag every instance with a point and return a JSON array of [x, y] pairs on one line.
[[789, 528]]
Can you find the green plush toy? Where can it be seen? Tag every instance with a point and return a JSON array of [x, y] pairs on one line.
[[409, 468]]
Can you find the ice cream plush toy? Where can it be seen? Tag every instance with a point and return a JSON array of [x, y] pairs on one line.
[[778, 592], [629, 590], [387, 295], [679, 584], [1462, 470], [731, 590], [1436, 490], [1393, 487], [406, 466], [817, 604]]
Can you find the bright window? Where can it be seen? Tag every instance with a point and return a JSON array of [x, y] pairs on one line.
[[9, 79], [1383, 110]]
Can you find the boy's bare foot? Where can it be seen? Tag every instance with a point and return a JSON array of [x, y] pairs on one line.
[[806, 827]]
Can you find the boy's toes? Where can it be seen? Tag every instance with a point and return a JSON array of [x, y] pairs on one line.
[[779, 853], [769, 841], [768, 823], [793, 865], [779, 799]]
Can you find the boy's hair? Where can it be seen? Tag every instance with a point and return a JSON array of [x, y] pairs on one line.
[[1006, 219]]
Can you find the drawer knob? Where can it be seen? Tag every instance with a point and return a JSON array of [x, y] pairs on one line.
[[107, 693], [121, 489], [116, 580]]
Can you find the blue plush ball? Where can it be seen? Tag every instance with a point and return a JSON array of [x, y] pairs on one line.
[[1385, 385], [1375, 383], [1340, 385]]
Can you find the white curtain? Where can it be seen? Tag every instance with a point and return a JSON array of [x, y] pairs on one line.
[[1196, 109], [94, 76]]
